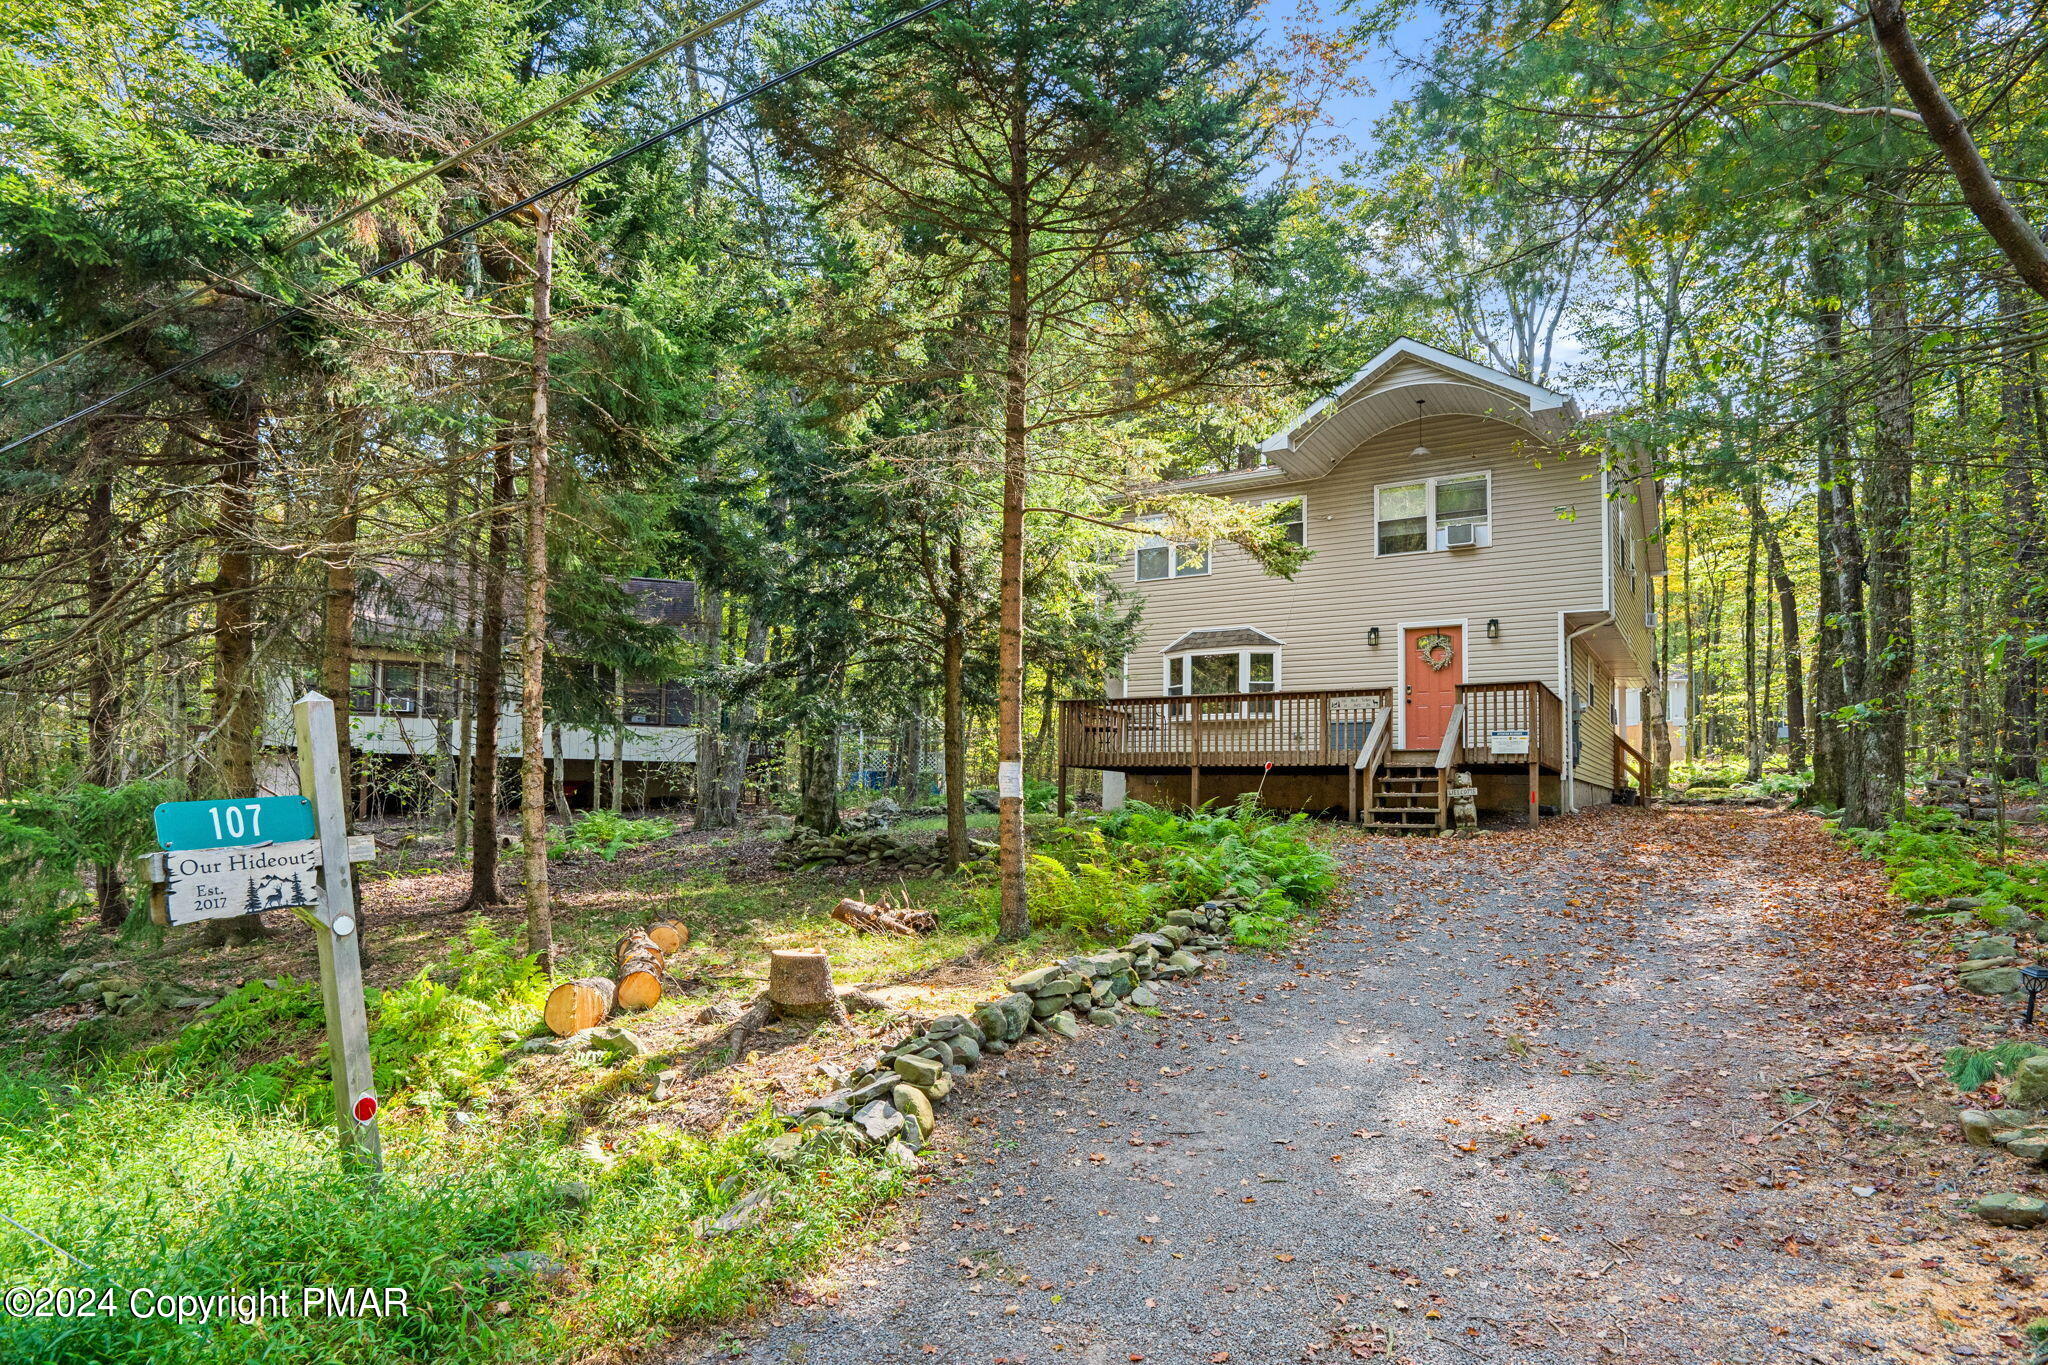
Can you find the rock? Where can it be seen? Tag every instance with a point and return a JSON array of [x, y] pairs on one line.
[[1103, 1018], [1063, 1024], [886, 807], [1976, 1127], [1156, 942], [913, 1132], [1185, 960], [951, 1026], [614, 1042], [1144, 998], [1990, 946], [875, 1088], [783, 1148], [548, 1047], [1995, 981], [878, 1121], [191, 1002], [521, 1265], [913, 1103], [1035, 980], [749, 1209], [966, 1052], [837, 1106], [902, 1157], [2027, 1086], [984, 799], [2028, 1144], [1048, 1005], [919, 1071], [722, 1012], [940, 1088], [573, 1194], [2008, 1210]]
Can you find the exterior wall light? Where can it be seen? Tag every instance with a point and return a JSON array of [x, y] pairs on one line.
[[1372, 637], [1493, 627]]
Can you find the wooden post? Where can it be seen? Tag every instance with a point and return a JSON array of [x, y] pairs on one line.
[[1061, 805], [1195, 756], [341, 963]]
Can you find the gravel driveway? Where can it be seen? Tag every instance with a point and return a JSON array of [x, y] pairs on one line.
[[1515, 1100]]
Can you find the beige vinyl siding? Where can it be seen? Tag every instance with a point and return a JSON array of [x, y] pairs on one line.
[[1632, 600], [1536, 567], [1594, 684]]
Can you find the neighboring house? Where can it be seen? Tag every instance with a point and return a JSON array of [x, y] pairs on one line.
[[1675, 715], [1478, 599], [416, 627]]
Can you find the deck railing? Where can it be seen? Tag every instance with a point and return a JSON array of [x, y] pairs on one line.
[[1320, 728], [1631, 768], [1497, 715]]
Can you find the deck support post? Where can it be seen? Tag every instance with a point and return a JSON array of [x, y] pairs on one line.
[[1351, 793], [1061, 804], [1535, 791]]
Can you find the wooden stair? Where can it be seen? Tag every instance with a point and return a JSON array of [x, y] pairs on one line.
[[1405, 797]]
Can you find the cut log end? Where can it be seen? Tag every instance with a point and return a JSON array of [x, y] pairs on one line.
[[577, 1005], [639, 990], [668, 935]]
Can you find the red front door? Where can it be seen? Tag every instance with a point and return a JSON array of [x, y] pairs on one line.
[[1434, 657]]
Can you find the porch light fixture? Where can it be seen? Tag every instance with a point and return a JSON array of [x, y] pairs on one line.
[[2033, 980], [1493, 627], [1372, 637]]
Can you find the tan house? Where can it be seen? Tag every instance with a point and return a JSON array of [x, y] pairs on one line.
[[1478, 600]]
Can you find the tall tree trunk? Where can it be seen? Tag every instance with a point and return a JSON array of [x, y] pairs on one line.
[[1752, 723], [103, 662], [1787, 594], [618, 740], [234, 683], [338, 612], [710, 719], [1887, 522], [489, 690], [533, 771], [739, 742], [1014, 918], [953, 703], [1838, 644], [818, 775], [2021, 723]]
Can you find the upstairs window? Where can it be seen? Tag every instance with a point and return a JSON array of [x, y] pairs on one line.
[[1159, 557], [1291, 516], [1410, 518]]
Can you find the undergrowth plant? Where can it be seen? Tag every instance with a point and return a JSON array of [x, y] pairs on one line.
[[605, 834], [1933, 856], [1971, 1068]]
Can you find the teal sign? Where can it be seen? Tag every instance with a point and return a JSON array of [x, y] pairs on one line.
[[182, 825]]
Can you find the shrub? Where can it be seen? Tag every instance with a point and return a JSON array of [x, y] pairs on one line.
[[47, 838], [1971, 1068], [605, 834], [1106, 900]]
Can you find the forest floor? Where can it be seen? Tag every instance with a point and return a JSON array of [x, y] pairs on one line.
[[1636, 1086]]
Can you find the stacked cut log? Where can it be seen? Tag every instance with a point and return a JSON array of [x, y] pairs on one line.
[[577, 1005], [640, 961], [884, 918]]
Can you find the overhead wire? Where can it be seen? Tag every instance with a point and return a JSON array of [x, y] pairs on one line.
[[497, 215]]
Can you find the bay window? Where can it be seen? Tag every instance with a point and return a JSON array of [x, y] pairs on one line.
[[1209, 673]]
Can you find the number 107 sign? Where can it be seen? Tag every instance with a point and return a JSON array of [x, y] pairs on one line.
[[226, 858]]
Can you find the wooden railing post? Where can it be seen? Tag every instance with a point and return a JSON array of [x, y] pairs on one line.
[[1195, 757], [1533, 700]]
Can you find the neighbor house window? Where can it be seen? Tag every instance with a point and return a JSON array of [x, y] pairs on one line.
[[658, 703], [393, 689], [1291, 516], [1413, 517], [1159, 557]]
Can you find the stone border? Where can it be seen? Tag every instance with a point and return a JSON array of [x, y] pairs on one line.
[[890, 1105]]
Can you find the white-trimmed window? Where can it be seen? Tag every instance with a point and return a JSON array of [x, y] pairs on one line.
[[1411, 518], [1208, 672], [1290, 514], [1159, 558]]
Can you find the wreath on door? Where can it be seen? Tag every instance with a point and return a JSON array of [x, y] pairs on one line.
[[1436, 650]]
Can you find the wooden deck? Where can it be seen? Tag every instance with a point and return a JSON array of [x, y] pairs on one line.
[[1495, 727]]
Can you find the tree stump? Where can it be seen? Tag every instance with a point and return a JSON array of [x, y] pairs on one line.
[[800, 985], [577, 1005], [640, 965]]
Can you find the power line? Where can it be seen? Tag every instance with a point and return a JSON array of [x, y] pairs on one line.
[[446, 164], [574, 178]]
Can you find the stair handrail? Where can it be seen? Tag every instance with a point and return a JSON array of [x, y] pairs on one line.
[[1448, 755], [1370, 755]]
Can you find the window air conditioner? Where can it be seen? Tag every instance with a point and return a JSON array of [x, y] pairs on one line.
[[1463, 536]]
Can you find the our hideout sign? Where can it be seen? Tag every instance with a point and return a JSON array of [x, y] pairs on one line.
[[226, 858]]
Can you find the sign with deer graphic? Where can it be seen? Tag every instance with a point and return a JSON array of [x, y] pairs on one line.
[[218, 883]]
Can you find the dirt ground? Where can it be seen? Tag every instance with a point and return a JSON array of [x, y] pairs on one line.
[[1637, 1086]]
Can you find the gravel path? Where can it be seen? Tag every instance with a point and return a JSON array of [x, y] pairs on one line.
[[1519, 1100]]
